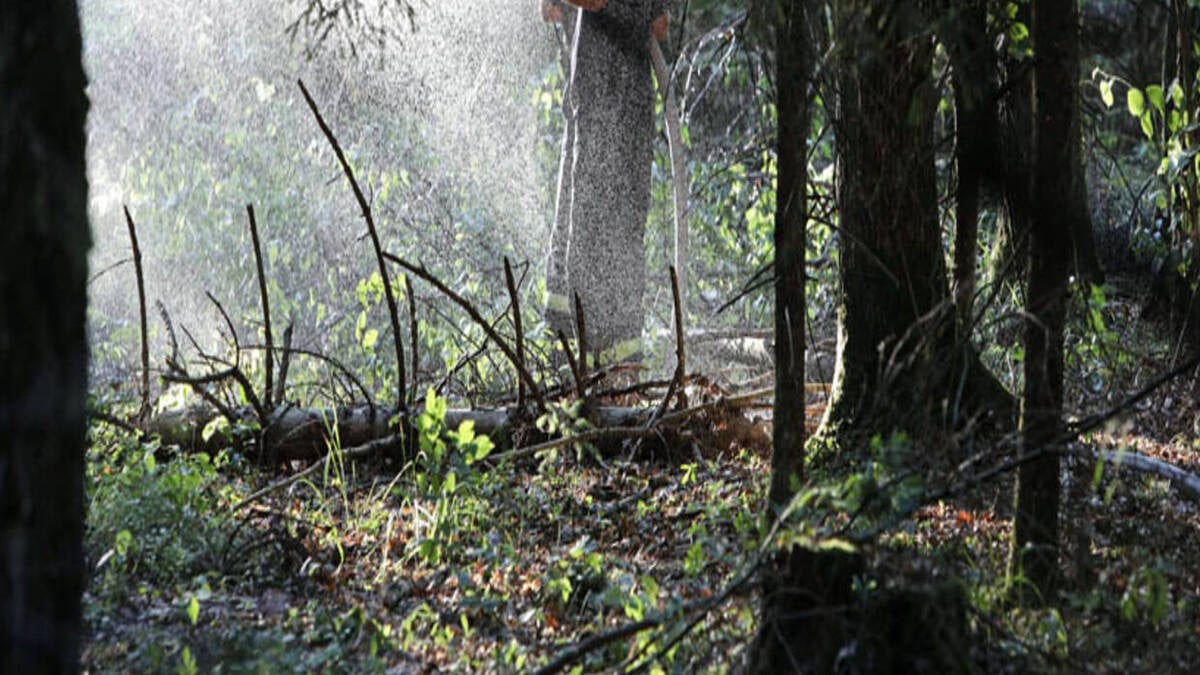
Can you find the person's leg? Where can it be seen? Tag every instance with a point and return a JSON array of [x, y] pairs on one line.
[[606, 257], [633, 145]]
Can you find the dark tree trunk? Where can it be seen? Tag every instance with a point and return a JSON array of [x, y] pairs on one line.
[[44, 242], [809, 611], [894, 312], [1057, 182], [791, 214], [1010, 254], [785, 586], [821, 624], [976, 125]]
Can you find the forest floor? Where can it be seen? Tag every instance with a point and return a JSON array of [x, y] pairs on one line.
[[370, 567]]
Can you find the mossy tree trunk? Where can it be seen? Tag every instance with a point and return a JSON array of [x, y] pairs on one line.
[[44, 242], [793, 65], [1057, 182]]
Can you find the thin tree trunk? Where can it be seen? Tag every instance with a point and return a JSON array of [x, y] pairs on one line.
[[1057, 175], [43, 346], [1010, 255], [793, 54], [976, 124]]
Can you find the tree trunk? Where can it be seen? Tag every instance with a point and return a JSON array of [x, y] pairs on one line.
[[791, 215], [894, 312], [43, 346], [603, 204], [976, 125], [1010, 254], [1056, 185], [809, 611]]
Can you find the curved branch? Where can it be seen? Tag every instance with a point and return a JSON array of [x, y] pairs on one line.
[[389, 294], [1187, 483]]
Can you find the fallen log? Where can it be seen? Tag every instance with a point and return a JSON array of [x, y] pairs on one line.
[[304, 434], [1188, 484], [294, 433]]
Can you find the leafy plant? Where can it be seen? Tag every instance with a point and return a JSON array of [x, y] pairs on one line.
[[444, 473], [153, 519]]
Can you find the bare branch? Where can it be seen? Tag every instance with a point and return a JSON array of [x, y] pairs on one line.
[[269, 357], [144, 409], [389, 294], [471, 311]]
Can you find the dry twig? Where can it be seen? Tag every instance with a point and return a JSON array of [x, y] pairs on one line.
[[519, 336], [473, 312], [269, 356], [413, 344], [284, 362], [144, 409]]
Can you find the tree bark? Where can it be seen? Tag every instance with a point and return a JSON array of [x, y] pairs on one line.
[[603, 204], [791, 215], [1056, 186], [1010, 254], [43, 346], [894, 313], [976, 147]]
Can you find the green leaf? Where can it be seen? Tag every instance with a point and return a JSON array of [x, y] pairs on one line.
[[650, 586], [193, 610], [1147, 125], [122, 542], [1106, 92], [1018, 32], [466, 432], [1136, 101], [1155, 94], [483, 448], [840, 545], [360, 292], [187, 663], [216, 425], [1176, 93], [370, 337], [435, 405], [360, 325]]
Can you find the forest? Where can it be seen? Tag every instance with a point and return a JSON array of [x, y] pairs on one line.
[[406, 336]]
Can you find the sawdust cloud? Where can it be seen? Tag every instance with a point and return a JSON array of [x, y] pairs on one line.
[[195, 113]]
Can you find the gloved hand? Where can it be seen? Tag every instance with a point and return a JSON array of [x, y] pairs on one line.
[[589, 5], [659, 28], [552, 11]]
